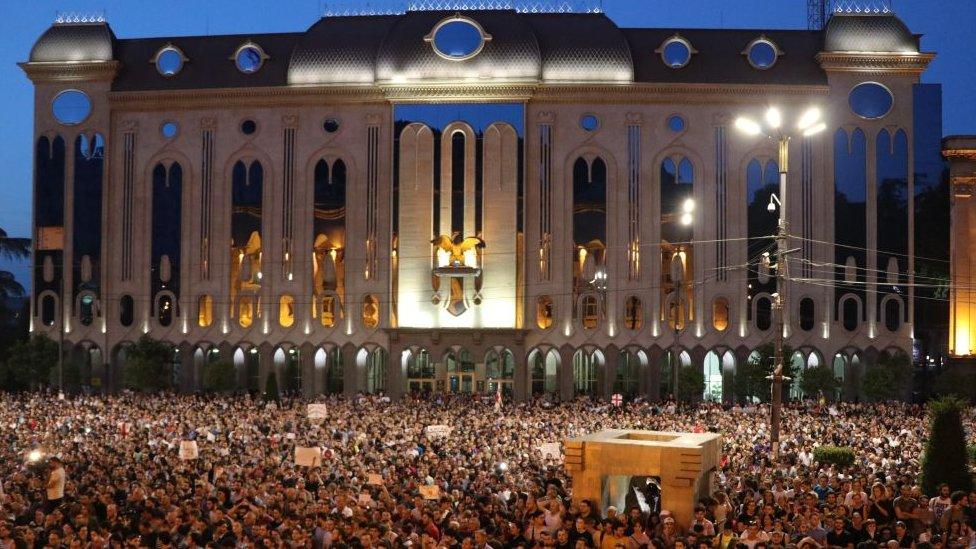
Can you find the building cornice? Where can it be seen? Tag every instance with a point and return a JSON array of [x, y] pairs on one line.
[[459, 93], [75, 71], [890, 63]]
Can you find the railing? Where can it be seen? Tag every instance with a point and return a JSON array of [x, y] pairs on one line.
[[394, 7]]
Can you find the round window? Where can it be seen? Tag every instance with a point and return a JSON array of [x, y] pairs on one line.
[[169, 61], [676, 53], [249, 58], [589, 122], [762, 54], [169, 129], [71, 107], [871, 100], [248, 127], [331, 125], [676, 124], [458, 39]]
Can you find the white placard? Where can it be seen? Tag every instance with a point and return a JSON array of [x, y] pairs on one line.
[[317, 410], [550, 450], [309, 457], [189, 449], [438, 431]]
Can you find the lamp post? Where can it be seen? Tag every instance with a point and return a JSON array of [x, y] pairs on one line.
[[686, 219], [808, 124]]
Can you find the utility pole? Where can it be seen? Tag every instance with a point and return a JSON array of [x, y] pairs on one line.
[[778, 304]]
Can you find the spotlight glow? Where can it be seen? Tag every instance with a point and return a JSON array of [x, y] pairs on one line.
[[815, 129], [774, 118], [747, 126], [809, 118]]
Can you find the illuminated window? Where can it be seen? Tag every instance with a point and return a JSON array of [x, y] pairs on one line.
[[328, 311], [720, 314], [246, 311], [544, 312], [286, 311], [86, 311], [371, 311], [633, 313], [590, 312], [205, 311]]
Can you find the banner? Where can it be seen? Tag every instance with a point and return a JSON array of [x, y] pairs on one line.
[[374, 479], [308, 457], [189, 449], [438, 431], [316, 411]]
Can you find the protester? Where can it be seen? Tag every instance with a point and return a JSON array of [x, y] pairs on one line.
[[111, 474]]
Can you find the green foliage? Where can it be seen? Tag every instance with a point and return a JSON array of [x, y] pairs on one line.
[[818, 380], [271, 388], [956, 381], [750, 380], [889, 378], [945, 459], [219, 377], [148, 365], [691, 384], [971, 449], [840, 456], [29, 363]]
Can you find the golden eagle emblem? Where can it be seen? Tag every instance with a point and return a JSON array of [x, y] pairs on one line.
[[457, 246]]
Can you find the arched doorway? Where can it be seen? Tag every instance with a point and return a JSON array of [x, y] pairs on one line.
[[630, 363], [670, 363], [544, 372], [460, 371], [288, 369], [586, 372], [500, 371], [421, 372], [712, 370]]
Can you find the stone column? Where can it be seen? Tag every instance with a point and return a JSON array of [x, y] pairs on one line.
[[395, 379]]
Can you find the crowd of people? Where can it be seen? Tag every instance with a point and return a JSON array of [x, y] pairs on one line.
[[89, 471]]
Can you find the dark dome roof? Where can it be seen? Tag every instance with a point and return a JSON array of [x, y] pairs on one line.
[[868, 33], [74, 42]]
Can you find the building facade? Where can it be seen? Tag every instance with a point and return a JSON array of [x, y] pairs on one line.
[[467, 201]]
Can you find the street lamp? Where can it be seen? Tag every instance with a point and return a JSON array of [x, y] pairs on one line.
[[686, 219], [808, 124]]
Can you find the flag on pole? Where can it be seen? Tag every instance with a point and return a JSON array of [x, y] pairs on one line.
[[498, 397]]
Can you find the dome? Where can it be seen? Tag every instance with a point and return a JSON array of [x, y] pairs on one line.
[[582, 48], [509, 50], [339, 50], [868, 33], [73, 42]]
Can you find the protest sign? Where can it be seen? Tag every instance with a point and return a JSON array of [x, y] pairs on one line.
[[374, 479], [308, 457], [365, 500], [189, 449], [438, 431], [550, 450], [316, 410], [430, 491]]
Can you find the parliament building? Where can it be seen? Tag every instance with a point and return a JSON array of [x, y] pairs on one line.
[[472, 201]]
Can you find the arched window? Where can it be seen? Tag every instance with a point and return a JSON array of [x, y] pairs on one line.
[[327, 314], [762, 181], [628, 374], [246, 311], [807, 314], [167, 196], [286, 311], [247, 184], [589, 312], [712, 370], [720, 314], [764, 313], [677, 200], [371, 311], [633, 313], [589, 223], [334, 380], [126, 313], [375, 371], [86, 309], [47, 310], [545, 372], [500, 370], [420, 372], [205, 311], [585, 368], [544, 312], [329, 240], [892, 314], [850, 314], [165, 310]]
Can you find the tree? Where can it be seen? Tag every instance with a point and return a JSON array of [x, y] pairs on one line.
[[219, 377], [691, 384], [750, 381], [30, 363], [945, 459], [819, 380], [889, 378], [956, 381], [12, 249], [148, 365], [271, 388]]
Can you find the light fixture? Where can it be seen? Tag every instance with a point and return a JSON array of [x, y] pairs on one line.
[[774, 118], [689, 205], [748, 126], [809, 118], [772, 205], [34, 455], [686, 219]]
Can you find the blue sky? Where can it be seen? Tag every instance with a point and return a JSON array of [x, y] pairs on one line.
[[946, 24]]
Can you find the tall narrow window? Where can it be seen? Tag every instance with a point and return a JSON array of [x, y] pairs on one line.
[[167, 196], [371, 311], [850, 314], [590, 312], [126, 310], [205, 311], [807, 314], [49, 172], [892, 217], [164, 310], [286, 311], [589, 234], [633, 313], [87, 214], [544, 312], [764, 313], [48, 310], [328, 248], [677, 222], [892, 314], [720, 314], [246, 246], [850, 213], [457, 182]]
